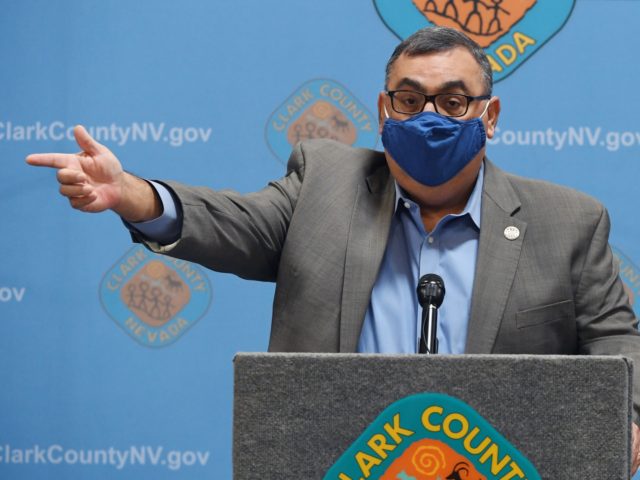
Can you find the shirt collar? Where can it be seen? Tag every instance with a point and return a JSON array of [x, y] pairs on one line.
[[473, 206]]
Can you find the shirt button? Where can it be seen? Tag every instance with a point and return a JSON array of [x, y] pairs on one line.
[[407, 205], [430, 240]]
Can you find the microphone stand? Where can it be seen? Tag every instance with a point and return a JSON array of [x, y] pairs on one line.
[[429, 339]]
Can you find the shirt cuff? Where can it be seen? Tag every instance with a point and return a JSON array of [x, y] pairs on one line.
[[164, 229]]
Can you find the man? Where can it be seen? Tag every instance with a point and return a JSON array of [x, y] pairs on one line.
[[347, 232]]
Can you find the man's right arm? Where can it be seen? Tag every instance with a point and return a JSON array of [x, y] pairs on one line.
[[224, 231]]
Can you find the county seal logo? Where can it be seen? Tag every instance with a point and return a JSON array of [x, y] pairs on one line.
[[431, 436], [510, 31], [155, 298], [320, 108]]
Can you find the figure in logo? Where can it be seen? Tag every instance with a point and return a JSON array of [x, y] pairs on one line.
[[430, 6], [142, 297], [450, 9], [495, 21], [473, 15]]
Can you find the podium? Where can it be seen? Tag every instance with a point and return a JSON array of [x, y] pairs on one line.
[[295, 415]]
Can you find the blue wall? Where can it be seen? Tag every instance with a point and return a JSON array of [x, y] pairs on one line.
[[204, 89]]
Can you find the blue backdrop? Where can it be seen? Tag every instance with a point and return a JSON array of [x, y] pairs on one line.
[[117, 363]]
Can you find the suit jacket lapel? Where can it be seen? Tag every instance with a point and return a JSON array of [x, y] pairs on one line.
[[368, 234], [497, 260]]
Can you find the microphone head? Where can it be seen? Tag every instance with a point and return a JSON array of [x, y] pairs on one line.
[[430, 290]]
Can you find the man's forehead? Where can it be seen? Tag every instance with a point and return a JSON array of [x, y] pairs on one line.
[[443, 69]]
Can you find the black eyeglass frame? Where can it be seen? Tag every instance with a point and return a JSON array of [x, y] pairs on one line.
[[432, 99]]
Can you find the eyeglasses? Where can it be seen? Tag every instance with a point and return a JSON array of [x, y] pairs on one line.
[[409, 102]]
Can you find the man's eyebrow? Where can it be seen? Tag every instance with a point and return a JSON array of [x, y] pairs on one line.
[[454, 85], [409, 82], [447, 86]]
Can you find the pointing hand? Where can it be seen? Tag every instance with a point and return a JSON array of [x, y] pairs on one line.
[[93, 180]]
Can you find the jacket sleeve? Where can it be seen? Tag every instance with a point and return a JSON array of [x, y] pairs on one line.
[[233, 233]]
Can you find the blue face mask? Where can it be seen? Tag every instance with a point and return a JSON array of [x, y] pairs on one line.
[[432, 148]]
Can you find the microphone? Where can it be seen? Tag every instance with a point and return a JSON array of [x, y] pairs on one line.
[[430, 295]]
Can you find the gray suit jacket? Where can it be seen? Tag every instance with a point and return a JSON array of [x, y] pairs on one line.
[[320, 233]]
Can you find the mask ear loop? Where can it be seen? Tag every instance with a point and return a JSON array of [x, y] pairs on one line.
[[485, 108], [386, 114]]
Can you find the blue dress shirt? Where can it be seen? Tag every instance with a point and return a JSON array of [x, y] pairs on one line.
[[394, 317]]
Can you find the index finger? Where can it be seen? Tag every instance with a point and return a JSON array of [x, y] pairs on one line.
[[54, 160]]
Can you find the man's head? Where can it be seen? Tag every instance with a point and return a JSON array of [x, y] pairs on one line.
[[435, 61]]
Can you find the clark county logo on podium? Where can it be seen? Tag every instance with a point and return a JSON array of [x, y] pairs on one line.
[[431, 436], [155, 298], [510, 31], [320, 108]]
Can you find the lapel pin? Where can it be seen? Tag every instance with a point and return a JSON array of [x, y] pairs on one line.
[[511, 232]]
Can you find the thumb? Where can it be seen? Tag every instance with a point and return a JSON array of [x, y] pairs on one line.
[[86, 141]]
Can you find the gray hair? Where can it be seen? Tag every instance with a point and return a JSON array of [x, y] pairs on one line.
[[441, 39]]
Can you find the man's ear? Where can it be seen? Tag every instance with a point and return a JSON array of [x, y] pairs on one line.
[[381, 115], [493, 112]]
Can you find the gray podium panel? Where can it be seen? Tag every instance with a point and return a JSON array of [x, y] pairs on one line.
[[296, 414]]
